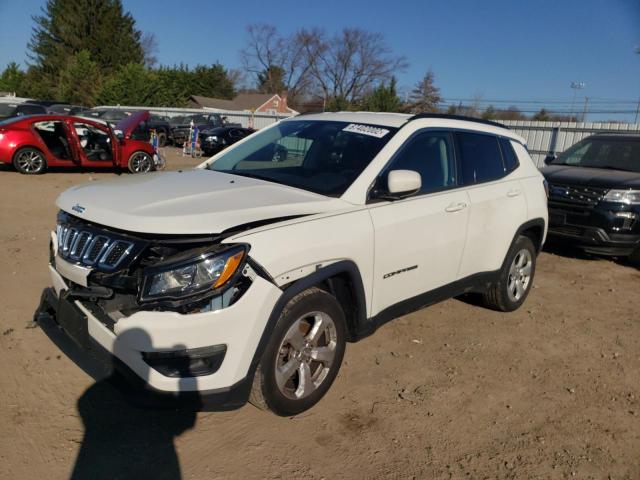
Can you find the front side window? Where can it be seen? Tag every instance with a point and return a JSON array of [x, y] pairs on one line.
[[318, 156], [481, 160], [609, 153], [431, 155]]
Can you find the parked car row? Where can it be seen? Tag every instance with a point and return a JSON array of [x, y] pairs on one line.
[[10, 110]]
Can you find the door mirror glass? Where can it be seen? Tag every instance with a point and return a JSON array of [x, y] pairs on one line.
[[403, 182]]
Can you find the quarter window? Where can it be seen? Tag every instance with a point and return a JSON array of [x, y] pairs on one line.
[[431, 155], [508, 155], [481, 160]]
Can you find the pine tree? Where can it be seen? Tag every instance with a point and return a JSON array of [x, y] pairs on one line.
[[425, 97], [66, 27], [12, 79], [79, 80], [271, 80], [132, 84], [383, 99]]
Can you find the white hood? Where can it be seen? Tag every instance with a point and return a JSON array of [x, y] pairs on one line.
[[189, 202]]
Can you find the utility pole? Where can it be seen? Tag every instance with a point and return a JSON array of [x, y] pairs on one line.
[[585, 109], [575, 86]]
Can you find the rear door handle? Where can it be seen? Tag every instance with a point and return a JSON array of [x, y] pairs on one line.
[[514, 192], [455, 207]]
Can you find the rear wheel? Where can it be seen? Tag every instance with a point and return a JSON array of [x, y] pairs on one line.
[[140, 162], [29, 161], [516, 277], [162, 139], [303, 356]]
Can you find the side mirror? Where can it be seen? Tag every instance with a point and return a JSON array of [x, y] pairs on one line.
[[550, 158], [119, 135], [403, 182]]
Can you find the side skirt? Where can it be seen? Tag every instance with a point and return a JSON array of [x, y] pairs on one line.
[[478, 283]]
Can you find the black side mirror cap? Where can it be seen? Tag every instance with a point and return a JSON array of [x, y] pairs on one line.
[[550, 158]]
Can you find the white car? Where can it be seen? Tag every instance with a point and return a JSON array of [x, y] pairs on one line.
[[244, 278]]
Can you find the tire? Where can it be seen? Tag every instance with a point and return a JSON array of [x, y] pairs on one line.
[[162, 139], [30, 161], [634, 258], [314, 321], [516, 277], [140, 162]]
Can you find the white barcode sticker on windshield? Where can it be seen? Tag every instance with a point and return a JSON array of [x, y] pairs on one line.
[[366, 130]]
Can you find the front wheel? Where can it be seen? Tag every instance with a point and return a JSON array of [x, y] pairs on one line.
[[516, 277], [303, 356], [29, 161], [140, 162], [634, 258]]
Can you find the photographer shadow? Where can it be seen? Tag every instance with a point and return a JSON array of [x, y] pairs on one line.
[[122, 440]]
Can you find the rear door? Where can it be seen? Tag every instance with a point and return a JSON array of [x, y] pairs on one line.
[[419, 240], [498, 206]]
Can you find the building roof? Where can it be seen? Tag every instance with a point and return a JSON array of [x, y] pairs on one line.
[[242, 101]]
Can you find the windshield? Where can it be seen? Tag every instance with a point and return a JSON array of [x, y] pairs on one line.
[[611, 153], [318, 156], [7, 109]]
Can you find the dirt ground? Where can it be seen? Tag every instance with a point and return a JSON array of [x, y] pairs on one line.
[[453, 391]]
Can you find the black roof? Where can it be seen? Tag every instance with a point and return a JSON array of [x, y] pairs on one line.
[[447, 116]]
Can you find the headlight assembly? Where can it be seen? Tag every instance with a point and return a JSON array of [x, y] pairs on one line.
[[208, 271], [212, 138], [628, 197]]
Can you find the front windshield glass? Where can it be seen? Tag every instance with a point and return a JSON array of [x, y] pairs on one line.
[[609, 153], [318, 156]]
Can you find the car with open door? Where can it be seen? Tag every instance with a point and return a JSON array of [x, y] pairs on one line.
[[34, 143]]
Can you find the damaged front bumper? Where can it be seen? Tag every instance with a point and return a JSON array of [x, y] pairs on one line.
[[203, 358]]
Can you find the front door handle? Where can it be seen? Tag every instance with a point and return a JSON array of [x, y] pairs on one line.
[[514, 192], [455, 207]]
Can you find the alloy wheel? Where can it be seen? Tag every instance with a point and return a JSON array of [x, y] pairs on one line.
[[140, 162], [306, 354], [30, 161], [519, 275]]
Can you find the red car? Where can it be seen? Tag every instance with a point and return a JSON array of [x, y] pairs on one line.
[[35, 142]]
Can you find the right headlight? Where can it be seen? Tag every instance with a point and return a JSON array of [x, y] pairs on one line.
[[628, 197], [197, 275]]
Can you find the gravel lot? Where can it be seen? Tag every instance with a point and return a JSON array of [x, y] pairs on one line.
[[453, 391]]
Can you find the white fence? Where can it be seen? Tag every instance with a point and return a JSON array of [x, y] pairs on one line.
[[544, 138], [246, 119]]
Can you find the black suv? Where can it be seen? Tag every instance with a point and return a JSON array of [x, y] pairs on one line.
[[594, 195]]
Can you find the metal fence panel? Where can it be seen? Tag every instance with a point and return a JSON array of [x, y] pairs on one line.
[[544, 138]]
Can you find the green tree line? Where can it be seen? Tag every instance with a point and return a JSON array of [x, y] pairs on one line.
[[90, 52]]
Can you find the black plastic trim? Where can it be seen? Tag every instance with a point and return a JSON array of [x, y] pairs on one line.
[[446, 116]]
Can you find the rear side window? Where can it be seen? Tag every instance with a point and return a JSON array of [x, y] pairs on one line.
[[508, 156], [481, 160]]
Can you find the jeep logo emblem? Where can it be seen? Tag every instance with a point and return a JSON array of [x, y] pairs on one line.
[[78, 208]]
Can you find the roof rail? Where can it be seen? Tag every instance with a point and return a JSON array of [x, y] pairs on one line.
[[457, 117]]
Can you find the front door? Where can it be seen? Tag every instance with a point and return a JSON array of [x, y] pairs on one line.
[[419, 240], [94, 144]]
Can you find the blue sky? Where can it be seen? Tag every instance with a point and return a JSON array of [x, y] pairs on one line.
[[497, 49]]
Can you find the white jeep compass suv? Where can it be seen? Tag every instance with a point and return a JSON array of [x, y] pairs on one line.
[[244, 278]]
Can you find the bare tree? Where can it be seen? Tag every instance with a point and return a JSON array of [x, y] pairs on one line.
[[425, 97], [149, 46], [346, 66], [274, 60]]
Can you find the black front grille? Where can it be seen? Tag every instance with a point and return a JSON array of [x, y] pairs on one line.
[[576, 195], [567, 230], [93, 247]]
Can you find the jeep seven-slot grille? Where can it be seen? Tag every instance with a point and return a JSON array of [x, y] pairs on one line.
[[92, 248]]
